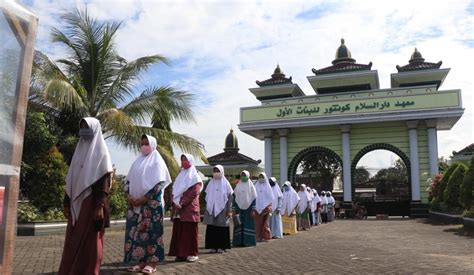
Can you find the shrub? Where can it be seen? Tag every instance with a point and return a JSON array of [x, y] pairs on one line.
[[468, 213], [451, 194], [465, 197], [47, 183], [434, 187], [117, 197], [444, 181], [27, 212], [54, 214], [435, 205]]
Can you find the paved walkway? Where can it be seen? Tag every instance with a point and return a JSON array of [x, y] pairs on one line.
[[344, 246]]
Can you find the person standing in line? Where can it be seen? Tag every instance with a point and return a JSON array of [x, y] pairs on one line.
[[324, 207], [276, 226], [218, 210], [263, 208], [304, 208], [243, 208], [330, 205], [289, 203], [146, 181], [185, 213], [311, 197], [315, 207], [86, 204]]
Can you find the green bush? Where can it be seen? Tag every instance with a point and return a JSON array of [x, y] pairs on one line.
[[451, 194], [435, 205], [444, 181], [54, 214], [465, 197], [47, 182], [27, 212], [117, 198], [468, 213]]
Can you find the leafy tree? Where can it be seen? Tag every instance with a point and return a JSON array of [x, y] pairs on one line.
[[38, 140], [322, 166], [467, 187], [361, 175], [444, 181], [48, 181], [117, 197], [94, 80], [451, 194]]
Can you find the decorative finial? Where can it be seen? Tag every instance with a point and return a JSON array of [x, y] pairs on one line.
[[342, 41]]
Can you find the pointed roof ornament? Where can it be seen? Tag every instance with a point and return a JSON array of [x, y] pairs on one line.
[[417, 63], [278, 78], [343, 62]]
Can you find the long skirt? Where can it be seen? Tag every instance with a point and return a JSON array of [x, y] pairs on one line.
[[311, 218], [263, 232], [217, 237], [289, 224], [303, 220], [276, 226], [83, 246], [244, 233], [330, 214], [184, 241], [315, 218]]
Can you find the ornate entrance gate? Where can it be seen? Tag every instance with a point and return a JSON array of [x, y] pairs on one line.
[[350, 116]]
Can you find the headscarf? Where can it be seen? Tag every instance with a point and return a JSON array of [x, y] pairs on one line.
[[304, 199], [315, 201], [245, 192], [331, 199], [290, 199], [264, 194], [217, 193], [185, 179], [90, 162], [147, 171], [324, 200], [276, 194]]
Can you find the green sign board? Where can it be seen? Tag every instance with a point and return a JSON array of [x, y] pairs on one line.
[[353, 107]]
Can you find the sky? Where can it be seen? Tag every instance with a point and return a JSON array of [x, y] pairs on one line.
[[218, 49]]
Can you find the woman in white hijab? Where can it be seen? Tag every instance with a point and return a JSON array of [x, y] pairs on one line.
[[146, 181], [324, 207], [218, 209], [316, 202], [289, 203], [304, 208], [185, 215], [331, 202], [311, 197], [243, 208], [263, 208], [276, 226], [86, 203]]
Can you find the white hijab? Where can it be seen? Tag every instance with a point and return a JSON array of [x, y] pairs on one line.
[[324, 200], [276, 194], [264, 194], [245, 193], [331, 199], [185, 179], [315, 201], [217, 193], [290, 199], [90, 162], [304, 199], [147, 171]]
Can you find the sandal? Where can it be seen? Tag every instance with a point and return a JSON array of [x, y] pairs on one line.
[[134, 268], [149, 270]]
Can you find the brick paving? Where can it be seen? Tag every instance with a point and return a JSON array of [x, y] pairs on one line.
[[344, 246]]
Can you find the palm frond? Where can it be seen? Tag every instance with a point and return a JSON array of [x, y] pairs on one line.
[[61, 94]]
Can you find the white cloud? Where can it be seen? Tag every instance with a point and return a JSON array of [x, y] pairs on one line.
[[223, 47]]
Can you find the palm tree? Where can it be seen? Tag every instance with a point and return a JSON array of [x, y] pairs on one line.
[[95, 81]]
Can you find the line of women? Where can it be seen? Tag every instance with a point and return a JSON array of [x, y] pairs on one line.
[[260, 211]]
